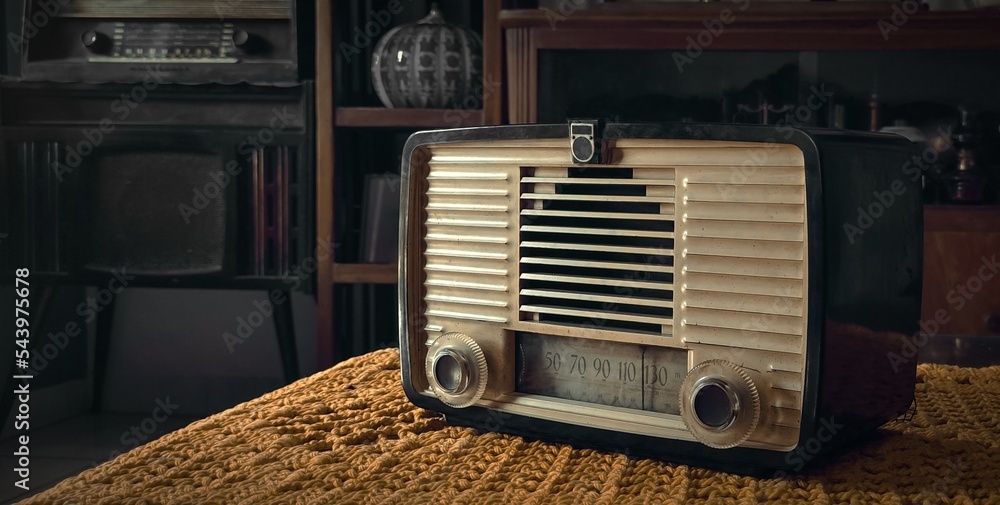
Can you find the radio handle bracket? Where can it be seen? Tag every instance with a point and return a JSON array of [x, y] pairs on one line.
[[585, 141]]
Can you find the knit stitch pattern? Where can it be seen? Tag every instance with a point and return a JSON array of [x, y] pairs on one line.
[[349, 435]]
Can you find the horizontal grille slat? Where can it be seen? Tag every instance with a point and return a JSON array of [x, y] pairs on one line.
[[786, 269], [598, 231], [451, 237], [762, 193], [790, 381], [597, 314], [471, 206], [741, 339], [579, 279], [787, 418], [707, 156], [777, 305], [441, 175], [785, 399], [594, 247], [572, 295], [466, 191], [458, 253], [465, 300], [462, 155], [632, 267], [764, 175], [465, 284], [747, 212], [744, 248], [467, 316], [722, 283], [595, 215], [597, 198], [787, 325], [788, 232], [431, 267], [467, 223], [583, 180]]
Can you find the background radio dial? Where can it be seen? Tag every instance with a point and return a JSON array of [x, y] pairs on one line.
[[720, 403], [241, 39], [456, 369], [95, 42]]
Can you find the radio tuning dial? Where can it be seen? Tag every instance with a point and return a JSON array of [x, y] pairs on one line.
[[456, 369], [95, 42], [241, 39], [720, 403]]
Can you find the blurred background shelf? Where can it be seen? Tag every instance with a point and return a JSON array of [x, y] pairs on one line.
[[812, 26], [360, 140], [364, 273], [630, 61], [381, 117]]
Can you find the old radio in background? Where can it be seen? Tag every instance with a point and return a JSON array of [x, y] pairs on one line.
[[197, 187], [178, 41], [695, 295]]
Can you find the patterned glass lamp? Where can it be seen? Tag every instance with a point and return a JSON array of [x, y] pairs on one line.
[[430, 63]]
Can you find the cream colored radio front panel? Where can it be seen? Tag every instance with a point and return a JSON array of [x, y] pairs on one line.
[[738, 261]]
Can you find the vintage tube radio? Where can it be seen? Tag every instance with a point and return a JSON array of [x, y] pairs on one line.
[[167, 41], [727, 296]]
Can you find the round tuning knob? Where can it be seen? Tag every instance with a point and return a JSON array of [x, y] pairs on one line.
[[95, 42], [720, 404], [241, 39], [456, 369]]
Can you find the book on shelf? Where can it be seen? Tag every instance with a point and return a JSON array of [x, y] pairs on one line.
[[380, 219]]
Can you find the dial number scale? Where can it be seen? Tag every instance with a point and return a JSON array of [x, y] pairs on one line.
[[605, 373]]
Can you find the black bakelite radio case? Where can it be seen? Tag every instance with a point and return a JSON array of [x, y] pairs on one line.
[[728, 296]]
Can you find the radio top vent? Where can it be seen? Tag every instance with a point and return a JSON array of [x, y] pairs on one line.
[[181, 9]]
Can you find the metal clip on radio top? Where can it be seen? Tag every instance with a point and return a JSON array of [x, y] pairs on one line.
[[585, 140]]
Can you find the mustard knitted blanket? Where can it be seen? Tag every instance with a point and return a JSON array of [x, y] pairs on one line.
[[349, 435]]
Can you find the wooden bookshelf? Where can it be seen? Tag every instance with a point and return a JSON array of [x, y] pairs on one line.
[[333, 121]]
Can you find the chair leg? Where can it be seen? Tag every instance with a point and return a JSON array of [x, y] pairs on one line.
[[38, 309], [284, 326], [102, 350]]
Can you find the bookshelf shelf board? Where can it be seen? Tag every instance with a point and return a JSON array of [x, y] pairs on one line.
[[381, 117], [365, 273]]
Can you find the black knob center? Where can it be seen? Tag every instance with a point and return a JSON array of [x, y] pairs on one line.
[[448, 372], [713, 405], [94, 41], [241, 39]]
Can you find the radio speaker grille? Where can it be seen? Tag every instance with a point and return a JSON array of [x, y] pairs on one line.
[[597, 248], [135, 219], [466, 243]]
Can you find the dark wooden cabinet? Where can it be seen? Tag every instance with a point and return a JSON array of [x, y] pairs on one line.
[[961, 270]]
